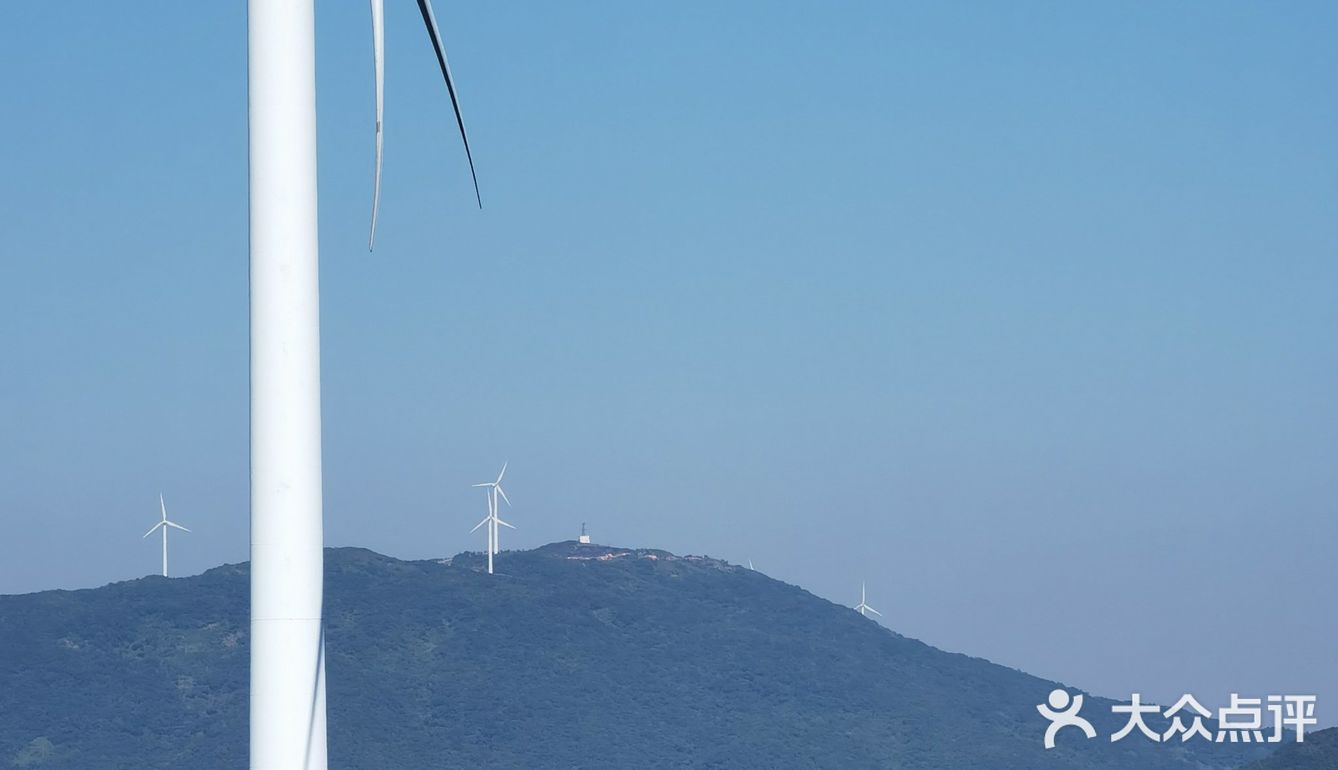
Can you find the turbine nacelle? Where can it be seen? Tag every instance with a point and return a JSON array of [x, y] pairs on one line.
[[162, 524]]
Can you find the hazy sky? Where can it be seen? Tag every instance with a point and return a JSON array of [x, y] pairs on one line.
[[1024, 313]]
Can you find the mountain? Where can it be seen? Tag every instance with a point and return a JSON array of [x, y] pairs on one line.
[[1319, 752], [573, 656]]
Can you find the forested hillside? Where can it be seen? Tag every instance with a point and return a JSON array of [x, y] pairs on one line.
[[571, 657]]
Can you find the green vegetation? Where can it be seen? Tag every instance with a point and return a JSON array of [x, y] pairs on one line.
[[1319, 752], [572, 657]]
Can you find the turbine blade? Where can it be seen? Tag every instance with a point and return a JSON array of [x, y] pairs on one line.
[[503, 473], [162, 505], [482, 485], [504, 524], [178, 526], [155, 529], [430, 19], [481, 523], [378, 62], [876, 612], [502, 492]]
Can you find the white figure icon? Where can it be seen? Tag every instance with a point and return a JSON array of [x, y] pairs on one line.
[[1063, 712]]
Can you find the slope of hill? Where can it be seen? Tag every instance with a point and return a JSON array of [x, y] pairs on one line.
[[572, 657], [1319, 752]]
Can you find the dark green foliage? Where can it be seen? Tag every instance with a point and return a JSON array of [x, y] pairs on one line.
[[1319, 752], [572, 657]]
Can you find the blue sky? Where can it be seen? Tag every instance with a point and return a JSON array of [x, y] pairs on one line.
[[1024, 313]]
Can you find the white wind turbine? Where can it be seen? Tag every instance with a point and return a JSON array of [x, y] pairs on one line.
[[492, 519], [863, 607], [163, 525], [287, 716]]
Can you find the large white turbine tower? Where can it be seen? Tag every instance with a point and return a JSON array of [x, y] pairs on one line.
[[492, 520], [163, 525], [287, 715], [863, 607]]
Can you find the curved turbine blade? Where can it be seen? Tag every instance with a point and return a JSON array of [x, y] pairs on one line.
[[155, 529], [379, 61], [503, 473], [502, 492], [430, 19]]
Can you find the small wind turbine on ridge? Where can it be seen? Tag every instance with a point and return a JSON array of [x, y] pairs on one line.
[[492, 520], [863, 607], [163, 525]]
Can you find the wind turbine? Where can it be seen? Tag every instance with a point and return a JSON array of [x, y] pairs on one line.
[[487, 521], [492, 519], [163, 525], [287, 701], [496, 509], [863, 607]]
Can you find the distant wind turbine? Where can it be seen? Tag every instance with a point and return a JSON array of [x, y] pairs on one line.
[[863, 607], [163, 525], [492, 519]]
